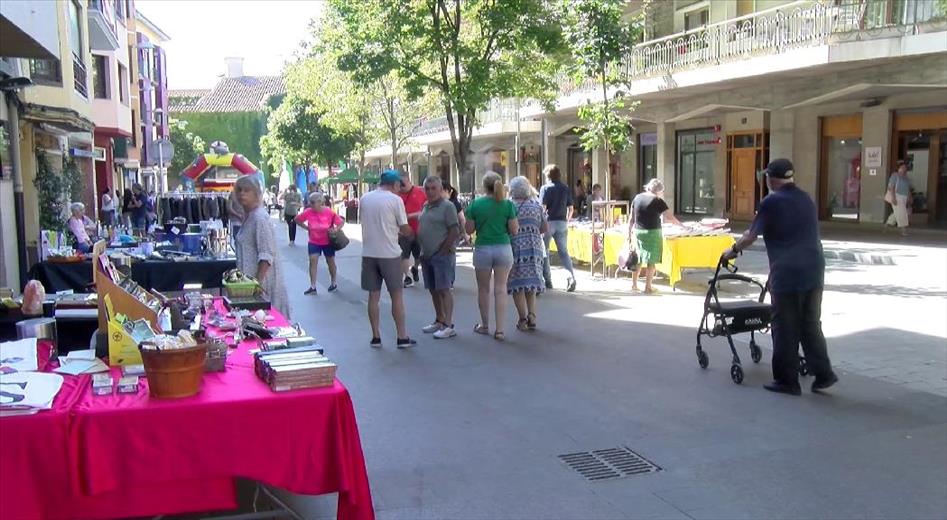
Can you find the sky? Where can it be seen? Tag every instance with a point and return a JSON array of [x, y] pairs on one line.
[[265, 33]]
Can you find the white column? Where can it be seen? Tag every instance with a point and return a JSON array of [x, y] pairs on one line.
[[781, 129], [548, 142], [600, 172], [666, 162], [876, 132]]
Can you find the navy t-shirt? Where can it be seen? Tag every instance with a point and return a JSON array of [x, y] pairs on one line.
[[788, 221], [556, 196]]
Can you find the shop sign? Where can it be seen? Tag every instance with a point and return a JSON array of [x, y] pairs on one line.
[[873, 157], [80, 152], [98, 153]]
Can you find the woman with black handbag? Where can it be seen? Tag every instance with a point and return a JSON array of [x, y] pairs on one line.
[[320, 222]]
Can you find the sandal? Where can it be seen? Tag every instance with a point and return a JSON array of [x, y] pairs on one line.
[[523, 324], [481, 329], [499, 336], [531, 321]]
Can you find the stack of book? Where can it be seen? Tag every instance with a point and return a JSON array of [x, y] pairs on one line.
[[294, 368]]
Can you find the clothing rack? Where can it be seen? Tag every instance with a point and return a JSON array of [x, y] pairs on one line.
[[193, 206]]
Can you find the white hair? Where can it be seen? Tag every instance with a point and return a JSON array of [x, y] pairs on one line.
[[77, 207], [654, 186], [521, 189], [316, 195]]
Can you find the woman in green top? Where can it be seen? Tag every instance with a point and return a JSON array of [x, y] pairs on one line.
[[493, 218]]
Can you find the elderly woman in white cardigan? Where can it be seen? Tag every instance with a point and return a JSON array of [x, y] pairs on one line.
[[257, 254]]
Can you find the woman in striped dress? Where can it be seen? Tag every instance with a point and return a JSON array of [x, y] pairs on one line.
[[526, 277]]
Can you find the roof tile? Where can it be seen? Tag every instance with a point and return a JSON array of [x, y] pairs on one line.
[[243, 94]]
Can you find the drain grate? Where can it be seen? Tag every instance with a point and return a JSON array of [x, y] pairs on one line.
[[608, 464]]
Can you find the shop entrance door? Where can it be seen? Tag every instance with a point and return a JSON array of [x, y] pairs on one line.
[[743, 170]]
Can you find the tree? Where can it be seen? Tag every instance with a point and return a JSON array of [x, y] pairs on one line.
[[467, 52], [599, 39], [187, 147], [73, 183], [50, 189], [296, 134], [399, 113]]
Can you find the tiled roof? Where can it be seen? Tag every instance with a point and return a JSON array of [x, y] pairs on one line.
[[243, 94]]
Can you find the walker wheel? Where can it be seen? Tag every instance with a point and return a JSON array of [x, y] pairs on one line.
[[702, 358], [756, 353], [736, 373], [803, 367]]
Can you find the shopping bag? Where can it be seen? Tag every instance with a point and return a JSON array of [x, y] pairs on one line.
[[628, 258], [889, 197], [337, 239]]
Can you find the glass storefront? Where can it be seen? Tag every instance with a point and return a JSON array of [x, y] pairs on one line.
[[843, 163], [648, 161], [696, 153]]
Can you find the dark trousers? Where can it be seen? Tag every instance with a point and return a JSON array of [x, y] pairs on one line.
[[797, 318], [291, 222]]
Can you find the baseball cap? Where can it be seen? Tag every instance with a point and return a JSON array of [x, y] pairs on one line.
[[390, 177], [779, 169]]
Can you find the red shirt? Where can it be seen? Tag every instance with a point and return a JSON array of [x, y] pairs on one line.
[[414, 201]]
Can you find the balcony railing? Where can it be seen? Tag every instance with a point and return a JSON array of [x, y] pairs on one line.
[[81, 76], [800, 24], [498, 111]]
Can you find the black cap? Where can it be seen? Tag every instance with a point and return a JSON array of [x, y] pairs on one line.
[[779, 169]]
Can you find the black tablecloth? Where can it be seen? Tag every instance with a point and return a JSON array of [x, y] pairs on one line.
[[151, 274]]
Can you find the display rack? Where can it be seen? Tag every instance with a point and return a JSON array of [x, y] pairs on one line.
[[604, 217], [122, 301]]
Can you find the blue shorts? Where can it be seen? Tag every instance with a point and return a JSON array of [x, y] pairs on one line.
[[439, 272], [327, 250]]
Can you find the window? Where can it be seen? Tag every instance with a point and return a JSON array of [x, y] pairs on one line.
[[696, 19], [75, 29], [46, 72], [695, 176], [648, 164], [120, 10], [122, 84], [100, 77], [135, 129]]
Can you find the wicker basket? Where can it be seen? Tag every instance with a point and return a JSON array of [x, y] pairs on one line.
[[174, 373], [241, 289]]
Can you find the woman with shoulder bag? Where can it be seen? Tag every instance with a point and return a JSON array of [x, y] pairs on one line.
[[319, 221]]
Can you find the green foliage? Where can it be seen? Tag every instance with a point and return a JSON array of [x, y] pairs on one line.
[[467, 52], [599, 38], [297, 135], [187, 147], [240, 130], [50, 187], [72, 178]]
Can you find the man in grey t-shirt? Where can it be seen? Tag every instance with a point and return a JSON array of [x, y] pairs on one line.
[[437, 233]]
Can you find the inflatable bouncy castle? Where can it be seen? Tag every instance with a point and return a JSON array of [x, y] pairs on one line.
[[219, 169]]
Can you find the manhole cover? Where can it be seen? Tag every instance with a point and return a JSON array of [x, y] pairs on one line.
[[608, 464]]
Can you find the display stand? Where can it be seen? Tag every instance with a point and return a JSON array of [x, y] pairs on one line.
[[604, 217], [122, 301]]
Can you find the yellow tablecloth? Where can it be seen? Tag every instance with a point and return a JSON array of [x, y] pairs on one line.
[[679, 253]]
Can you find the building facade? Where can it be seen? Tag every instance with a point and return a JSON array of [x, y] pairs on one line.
[[844, 88]]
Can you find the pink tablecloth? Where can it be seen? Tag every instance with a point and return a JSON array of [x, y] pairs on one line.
[[129, 455]]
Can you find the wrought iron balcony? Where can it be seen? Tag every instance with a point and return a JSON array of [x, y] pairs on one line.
[[81, 76], [498, 111], [776, 31]]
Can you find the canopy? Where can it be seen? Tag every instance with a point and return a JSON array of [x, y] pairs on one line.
[[347, 175]]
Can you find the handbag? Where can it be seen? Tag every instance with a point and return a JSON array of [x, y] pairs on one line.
[[889, 197], [337, 239], [628, 257]]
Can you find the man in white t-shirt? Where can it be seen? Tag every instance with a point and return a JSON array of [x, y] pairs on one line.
[[383, 219]]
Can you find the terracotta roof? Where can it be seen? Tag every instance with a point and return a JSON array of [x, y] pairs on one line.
[[243, 94]]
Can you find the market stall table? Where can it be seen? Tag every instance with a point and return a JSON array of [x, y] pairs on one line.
[[129, 455], [161, 275], [681, 252]]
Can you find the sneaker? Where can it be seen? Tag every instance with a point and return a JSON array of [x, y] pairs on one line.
[[311, 290], [408, 282], [333, 287], [434, 327], [414, 274], [375, 343], [821, 384], [446, 332], [571, 286], [406, 343], [783, 388]]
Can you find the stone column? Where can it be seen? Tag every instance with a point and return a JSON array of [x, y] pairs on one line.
[[667, 161], [781, 128], [876, 132], [548, 142]]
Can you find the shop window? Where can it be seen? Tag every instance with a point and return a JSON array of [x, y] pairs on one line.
[[697, 150], [100, 76], [122, 84], [843, 169]]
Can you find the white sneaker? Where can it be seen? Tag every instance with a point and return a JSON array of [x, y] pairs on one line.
[[434, 327], [446, 332]]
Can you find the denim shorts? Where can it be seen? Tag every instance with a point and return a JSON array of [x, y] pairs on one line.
[[489, 257], [438, 271], [327, 250]]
